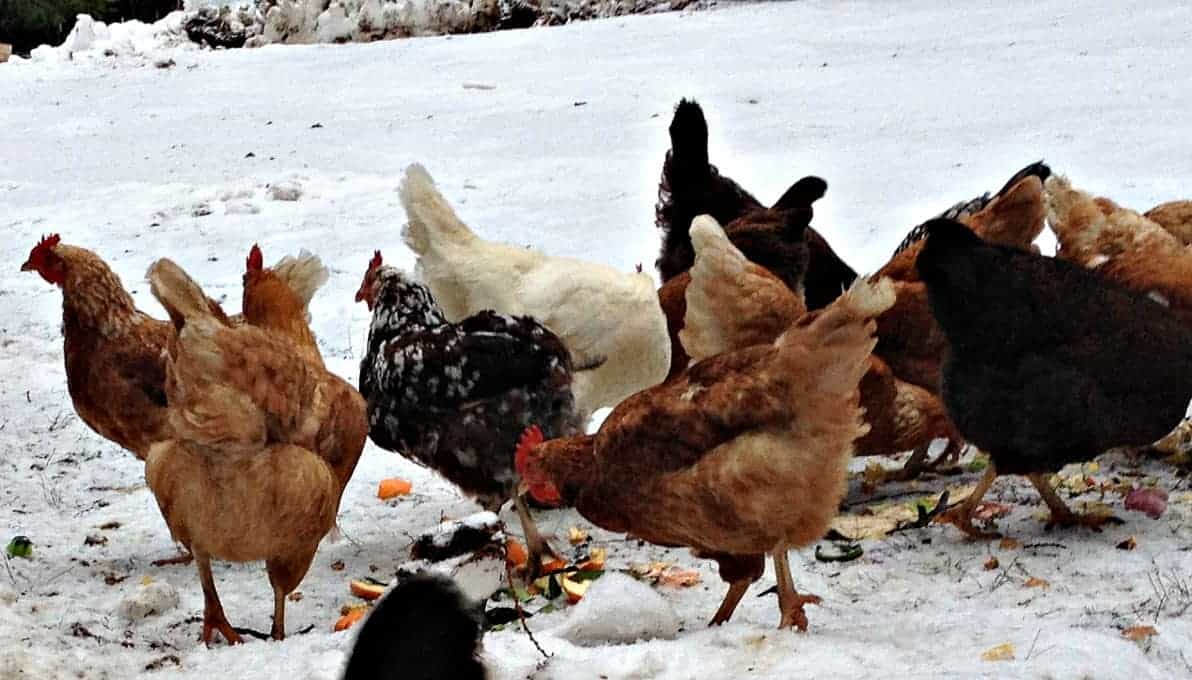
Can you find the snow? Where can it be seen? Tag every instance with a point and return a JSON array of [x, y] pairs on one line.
[[619, 609], [904, 108]]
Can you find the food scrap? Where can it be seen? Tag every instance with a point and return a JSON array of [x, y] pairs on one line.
[[393, 487]]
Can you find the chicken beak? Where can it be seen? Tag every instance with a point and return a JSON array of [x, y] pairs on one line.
[[28, 266], [523, 488]]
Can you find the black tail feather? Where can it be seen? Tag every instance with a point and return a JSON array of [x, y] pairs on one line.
[[424, 629]]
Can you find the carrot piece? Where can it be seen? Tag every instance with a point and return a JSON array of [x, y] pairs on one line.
[[393, 487], [515, 553], [348, 620], [554, 565]]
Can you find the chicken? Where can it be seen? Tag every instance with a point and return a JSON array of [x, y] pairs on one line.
[[423, 629], [455, 396], [691, 186], [1049, 364], [1175, 217], [114, 353], [1121, 245], [607, 319], [115, 368], [772, 238], [276, 299], [744, 454], [263, 442], [733, 303], [910, 342], [115, 371]]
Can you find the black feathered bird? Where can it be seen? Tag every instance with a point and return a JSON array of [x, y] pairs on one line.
[[456, 396], [691, 186], [423, 629], [1049, 364]]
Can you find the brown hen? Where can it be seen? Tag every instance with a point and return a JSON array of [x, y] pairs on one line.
[[263, 441], [742, 455], [1121, 245], [733, 303]]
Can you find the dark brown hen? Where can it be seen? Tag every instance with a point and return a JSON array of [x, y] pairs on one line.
[[691, 186], [1048, 364]]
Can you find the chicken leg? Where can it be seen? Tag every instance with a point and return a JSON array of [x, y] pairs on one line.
[[736, 590], [790, 602], [536, 546], [1061, 514], [962, 515], [213, 614]]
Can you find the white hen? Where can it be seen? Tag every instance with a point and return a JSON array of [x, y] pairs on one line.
[[601, 314]]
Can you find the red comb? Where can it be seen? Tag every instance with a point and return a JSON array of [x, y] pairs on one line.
[[255, 261], [49, 241], [375, 261], [530, 437]]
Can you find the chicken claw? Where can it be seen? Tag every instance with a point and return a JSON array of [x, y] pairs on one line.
[[1061, 514], [219, 623], [180, 558], [793, 614], [962, 515], [790, 602]]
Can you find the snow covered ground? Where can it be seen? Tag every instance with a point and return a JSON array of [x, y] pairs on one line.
[[903, 107]]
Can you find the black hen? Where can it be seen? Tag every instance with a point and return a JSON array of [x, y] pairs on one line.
[[691, 186], [456, 396], [1049, 363], [423, 629]]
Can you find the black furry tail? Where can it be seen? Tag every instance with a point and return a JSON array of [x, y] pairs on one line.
[[424, 629]]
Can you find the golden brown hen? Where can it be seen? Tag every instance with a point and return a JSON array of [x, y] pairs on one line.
[[733, 303], [1175, 217], [742, 455], [1121, 245], [262, 443]]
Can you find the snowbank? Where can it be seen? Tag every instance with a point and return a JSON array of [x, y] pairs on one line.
[[92, 40], [231, 24]]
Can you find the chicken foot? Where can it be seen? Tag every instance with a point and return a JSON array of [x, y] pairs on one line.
[[790, 602], [536, 545], [183, 557], [213, 614], [962, 515], [1061, 514], [918, 463]]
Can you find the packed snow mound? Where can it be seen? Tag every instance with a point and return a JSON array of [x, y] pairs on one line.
[[619, 609], [149, 599], [94, 40], [229, 24]]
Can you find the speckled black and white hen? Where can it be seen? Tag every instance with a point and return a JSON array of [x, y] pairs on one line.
[[456, 396]]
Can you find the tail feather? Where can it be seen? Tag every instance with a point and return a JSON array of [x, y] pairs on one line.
[[802, 193], [689, 136], [840, 337], [731, 302], [181, 296], [430, 217], [1037, 169], [304, 273]]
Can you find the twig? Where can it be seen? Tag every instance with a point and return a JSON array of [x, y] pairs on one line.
[[1045, 545], [8, 567], [521, 614], [1033, 642]]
